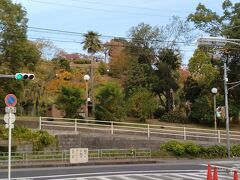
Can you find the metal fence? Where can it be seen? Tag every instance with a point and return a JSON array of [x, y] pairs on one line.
[[63, 157], [146, 130]]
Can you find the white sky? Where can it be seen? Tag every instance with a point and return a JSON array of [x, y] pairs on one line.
[[108, 17]]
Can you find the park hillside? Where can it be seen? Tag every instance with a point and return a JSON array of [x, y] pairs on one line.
[[139, 77]]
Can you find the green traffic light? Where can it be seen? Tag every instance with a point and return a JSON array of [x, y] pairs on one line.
[[18, 76]]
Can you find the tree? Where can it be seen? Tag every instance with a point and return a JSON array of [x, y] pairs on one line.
[[70, 99], [202, 69], [15, 50], [191, 89], [164, 84], [227, 24], [200, 111], [137, 77], [119, 58], [92, 44], [110, 104], [217, 25], [144, 42], [142, 103]]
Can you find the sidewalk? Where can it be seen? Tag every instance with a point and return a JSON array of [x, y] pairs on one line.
[[118, 161]]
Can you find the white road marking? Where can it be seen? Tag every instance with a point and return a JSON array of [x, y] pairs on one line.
[[105, 173], [150, 177], [186, 176]]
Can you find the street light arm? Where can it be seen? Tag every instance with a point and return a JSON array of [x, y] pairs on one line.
[[234, 86], [236, 82], [217, 41]]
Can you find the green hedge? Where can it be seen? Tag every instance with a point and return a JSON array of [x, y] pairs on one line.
[[39, 139], [190, 149]]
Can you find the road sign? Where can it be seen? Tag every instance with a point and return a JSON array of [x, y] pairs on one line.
[[78, 155], [10, 100], [10, 110], [7, 126], [9, 118]]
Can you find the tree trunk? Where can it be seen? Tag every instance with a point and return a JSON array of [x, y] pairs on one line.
[[169, 101]]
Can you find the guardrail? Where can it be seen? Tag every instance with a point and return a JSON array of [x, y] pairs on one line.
[[146, 130], [63, 157]]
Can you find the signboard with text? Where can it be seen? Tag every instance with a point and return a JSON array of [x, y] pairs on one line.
[[78, 155]]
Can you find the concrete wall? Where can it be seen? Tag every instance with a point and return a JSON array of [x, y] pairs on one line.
[[101, 141]]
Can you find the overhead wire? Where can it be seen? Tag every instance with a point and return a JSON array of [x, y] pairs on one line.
[[48, 30], [127, 6], [97, 9]]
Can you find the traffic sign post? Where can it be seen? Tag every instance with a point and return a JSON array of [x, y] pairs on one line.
[[9, 118]]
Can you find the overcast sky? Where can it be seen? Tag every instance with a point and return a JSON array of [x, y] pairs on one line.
[[108, 17]]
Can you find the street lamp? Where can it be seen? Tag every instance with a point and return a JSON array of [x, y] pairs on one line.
[[214, 91], [86, 78], [221, 42]]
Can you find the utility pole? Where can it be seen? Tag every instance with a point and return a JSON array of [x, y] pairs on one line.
[[92, 86], [220, 43], [226, 104]]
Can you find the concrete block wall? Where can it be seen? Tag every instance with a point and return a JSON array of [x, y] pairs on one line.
[[97, 141]]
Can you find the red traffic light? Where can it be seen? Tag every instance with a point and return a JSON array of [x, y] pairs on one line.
[[31, 76]]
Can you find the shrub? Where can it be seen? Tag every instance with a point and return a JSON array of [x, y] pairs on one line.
[[42, 139], [21, 133], [174, 117], [192, 149], [176, 147], [195, 150], [217, 151], [235, 150], [5, 148], [179, 149], [3, 132]]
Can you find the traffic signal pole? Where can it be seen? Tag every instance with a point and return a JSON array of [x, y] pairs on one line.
[[7, 76], [226, 105], [19, 76]]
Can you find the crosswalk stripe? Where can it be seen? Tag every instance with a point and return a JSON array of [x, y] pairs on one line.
[[186, 176], [158, 176], [152, 178], [199, 175]]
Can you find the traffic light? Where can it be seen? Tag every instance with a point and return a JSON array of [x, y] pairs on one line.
[[220, 112], [24, 76]]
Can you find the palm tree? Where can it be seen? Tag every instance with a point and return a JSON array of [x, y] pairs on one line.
[[92, 44]]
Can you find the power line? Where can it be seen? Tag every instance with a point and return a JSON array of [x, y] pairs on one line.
[[96, 9], [47, 30], [111, 45], [126, 6]]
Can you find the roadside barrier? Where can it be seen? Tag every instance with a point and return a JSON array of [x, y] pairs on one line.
[[145, 130], [63, 157]]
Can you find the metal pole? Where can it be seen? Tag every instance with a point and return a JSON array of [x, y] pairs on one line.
[[9, 147], [214, 106], [226, 106], [92, 86], [86, 109], [40, 122]]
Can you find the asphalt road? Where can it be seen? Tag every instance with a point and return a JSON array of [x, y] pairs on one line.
[[193, 170]]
